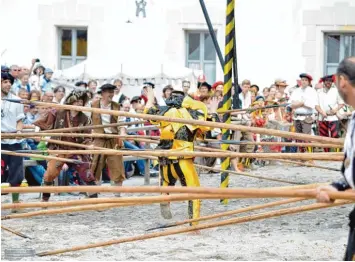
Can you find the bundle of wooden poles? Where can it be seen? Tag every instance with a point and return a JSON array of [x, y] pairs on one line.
[[292, 194]]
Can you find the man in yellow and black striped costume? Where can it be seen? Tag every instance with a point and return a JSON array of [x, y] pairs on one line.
[[178, 137]]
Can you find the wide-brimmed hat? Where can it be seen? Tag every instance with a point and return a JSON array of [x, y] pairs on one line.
[[76, 95], [106, 87]]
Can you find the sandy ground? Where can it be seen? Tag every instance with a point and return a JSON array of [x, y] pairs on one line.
[[316, 235]]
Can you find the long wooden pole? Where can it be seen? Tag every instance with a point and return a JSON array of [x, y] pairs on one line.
[[309, 165], [170, 153], [32, 135], [277, 213], [321, 145], [104, 206], [133, 200], [248, 175], [240, 192], [242, 128], [66, 160], [230, 213], [15, 232], [81, 128]]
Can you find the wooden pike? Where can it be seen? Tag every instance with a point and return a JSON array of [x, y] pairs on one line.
[[242, 128], [32, 135], [249, 110], [277, 213], [248, 175], [81, 128], [66, 160], [320, 145], [170, 153], [230, 213], [309, 165], [15, 232], [230, 192], [121, 200], [137, 202]]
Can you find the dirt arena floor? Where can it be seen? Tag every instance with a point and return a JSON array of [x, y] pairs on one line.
[[315, 235]]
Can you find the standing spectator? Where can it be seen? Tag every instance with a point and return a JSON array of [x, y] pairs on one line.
[[204, 90], [92, 85], [46, 82], [166, 94], [144, 93], [12, 115], [218, 86], [23, 83], [281, 87], [15, 73], [266, 92], [303, 100], [136, 103], [245, 95], [186, 86], [119, 97], [35, 79], [329, 103], [59, 93], [272, 93], [255, 89]]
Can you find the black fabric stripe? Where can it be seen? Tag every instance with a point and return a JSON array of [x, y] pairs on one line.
[[226, 135], [180, 174], [171, 178]]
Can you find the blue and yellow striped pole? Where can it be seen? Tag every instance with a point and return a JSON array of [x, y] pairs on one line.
[[227, 90]]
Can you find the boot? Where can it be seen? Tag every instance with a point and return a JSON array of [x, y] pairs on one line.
[[118, 194], [92, 195], [46, 196], [165, 211]]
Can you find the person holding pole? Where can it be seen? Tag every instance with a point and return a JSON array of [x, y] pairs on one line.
[[179, 137], [114, 163], [345, 82], [55, 119]]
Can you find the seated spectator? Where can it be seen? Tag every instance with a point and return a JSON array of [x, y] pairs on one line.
[[255, 89], [48, 96], [218, 86], [35, 95], [46, 82], [92, 85], [81, 84], [166, 94], [23, 94], [266, 92], [59, 93]]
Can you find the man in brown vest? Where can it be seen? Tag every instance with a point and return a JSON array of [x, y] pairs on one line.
[[114, 163], [55, 119]]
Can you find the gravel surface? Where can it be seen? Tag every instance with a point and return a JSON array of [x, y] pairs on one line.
[[315, 235]]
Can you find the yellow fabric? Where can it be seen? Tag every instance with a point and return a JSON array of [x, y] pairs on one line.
[[188, 177]]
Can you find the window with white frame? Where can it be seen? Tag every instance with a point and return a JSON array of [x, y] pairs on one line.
[[73, 44], [200, 54], [337, 47]]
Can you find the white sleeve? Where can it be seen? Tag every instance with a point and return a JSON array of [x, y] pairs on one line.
[[311, 99]]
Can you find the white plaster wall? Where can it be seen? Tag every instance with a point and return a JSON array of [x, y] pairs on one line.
[[275, 38]]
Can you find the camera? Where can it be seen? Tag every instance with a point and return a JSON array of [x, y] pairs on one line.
[[37, 60]]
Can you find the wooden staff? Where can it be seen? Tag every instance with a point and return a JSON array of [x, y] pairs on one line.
[[242, 128], [239, 192], [249, 110], [248, 175], [230, 213], [61, 159], [238, 220], [105, 206], [170, 153], [309, 165], [33, 135], [133, 200], [15, 232], [320, 145], [80, 128]]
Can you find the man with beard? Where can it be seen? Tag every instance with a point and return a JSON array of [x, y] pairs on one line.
[[12, 116], [329, 103], [114, 163], [345, 83], [178, 137], [54, 119]]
